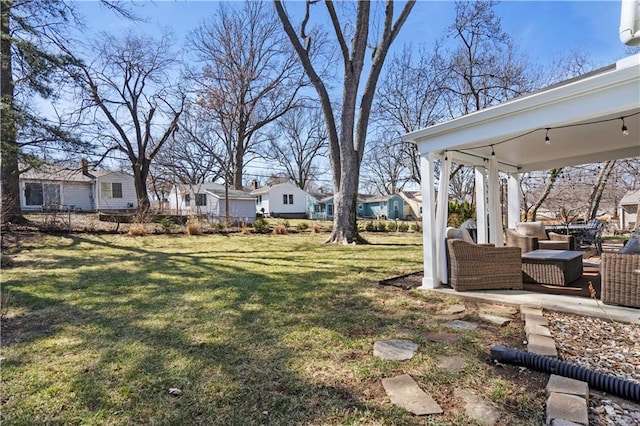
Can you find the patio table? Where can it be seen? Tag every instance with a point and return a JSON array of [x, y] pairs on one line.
[[556, 267]]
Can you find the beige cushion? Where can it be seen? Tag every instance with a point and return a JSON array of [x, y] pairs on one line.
[[459, 234], [532, 229]]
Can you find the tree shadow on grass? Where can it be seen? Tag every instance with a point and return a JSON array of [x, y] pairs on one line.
[[223, 339]]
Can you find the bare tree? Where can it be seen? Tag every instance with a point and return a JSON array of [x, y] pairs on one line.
[[249, 78], [598, 189], [347, 141], [384, 166], [298, 143], [485, 68], [130, 85], [193, 154], [409, 98]]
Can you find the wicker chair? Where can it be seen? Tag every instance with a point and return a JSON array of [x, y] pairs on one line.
[[620, 286], [530, 236], [481, 267]]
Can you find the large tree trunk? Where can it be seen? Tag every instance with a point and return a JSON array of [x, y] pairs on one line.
[[140, 174], [10, 173], [553, 177], [596, 195]]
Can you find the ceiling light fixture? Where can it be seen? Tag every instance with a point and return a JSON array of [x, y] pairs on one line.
[[624, 129], [546, 138]]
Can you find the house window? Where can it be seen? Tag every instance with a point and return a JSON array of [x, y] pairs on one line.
[[259, 199], [201, 199], [111, 189], [33, 194], [187, 200], [287, 198]]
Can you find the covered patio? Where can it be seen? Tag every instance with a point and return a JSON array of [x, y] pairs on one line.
[[578, 121]]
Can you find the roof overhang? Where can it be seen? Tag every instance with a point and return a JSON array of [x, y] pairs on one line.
[[583, 117]]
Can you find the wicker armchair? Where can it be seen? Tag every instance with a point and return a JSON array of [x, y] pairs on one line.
[[530, 236], [480, 267], [620, 286]]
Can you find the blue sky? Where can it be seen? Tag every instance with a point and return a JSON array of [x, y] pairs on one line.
[[541, 29]]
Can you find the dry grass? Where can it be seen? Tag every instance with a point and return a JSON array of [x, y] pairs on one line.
[[253, 329]]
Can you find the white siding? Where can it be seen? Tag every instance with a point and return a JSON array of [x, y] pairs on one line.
[[128, 199], [77, 195], [273, 201]]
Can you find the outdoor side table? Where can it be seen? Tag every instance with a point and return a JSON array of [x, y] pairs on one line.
[[556, 267]]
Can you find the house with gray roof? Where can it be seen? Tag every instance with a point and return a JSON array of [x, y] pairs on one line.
[[54, 188]]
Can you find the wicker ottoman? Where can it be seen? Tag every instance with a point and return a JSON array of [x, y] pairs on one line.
[[620, 282], [556, 267]]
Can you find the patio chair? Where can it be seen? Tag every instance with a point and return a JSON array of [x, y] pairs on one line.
[[592, 235], [620, 284], [483, 267], [530, 236]]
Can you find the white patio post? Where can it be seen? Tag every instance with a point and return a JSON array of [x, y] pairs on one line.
[[495, 213], [442, 213], [429, 280], [513, 199], [481, 204]]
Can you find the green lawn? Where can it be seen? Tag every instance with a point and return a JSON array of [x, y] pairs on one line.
[[253, 329]]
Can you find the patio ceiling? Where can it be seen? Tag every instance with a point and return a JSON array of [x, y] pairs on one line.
[[582, 115]]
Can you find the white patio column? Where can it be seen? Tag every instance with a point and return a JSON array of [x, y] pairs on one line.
[[481, 204], [442, 215], [495, 213], [430, 278], [513, 199]]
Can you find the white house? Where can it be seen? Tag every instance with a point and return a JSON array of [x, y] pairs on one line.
[[281, 200], [628, 209], [55, 188], [209, 199]]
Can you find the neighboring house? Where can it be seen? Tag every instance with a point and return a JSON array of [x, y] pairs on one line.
[[209, 199], [54, 188], [282, 200], [412, 204], [381, 207], [397, 206], [320, 207], [628, 209]]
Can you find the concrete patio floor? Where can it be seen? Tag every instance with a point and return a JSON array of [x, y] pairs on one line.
[[552, 302], [560, 303]]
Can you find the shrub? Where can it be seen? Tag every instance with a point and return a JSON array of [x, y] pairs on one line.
[[261, 226], [391, 226], [193, 228], [403, 227], [315, 228], [219, 227], [280, 229], [245, 229], [137, 230], [369, 226], [381, 226], [166, 224], [415, 227], [303, 226]]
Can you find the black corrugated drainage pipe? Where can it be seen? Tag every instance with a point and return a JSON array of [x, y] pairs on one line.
[[600, 381]]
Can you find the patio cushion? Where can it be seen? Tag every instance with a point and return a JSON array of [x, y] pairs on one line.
[[459, 234], [532, 229], [633, 245]]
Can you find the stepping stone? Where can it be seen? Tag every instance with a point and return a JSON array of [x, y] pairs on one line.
[[462, 325], [533, 328], [395, 350], [442, 337], [452, 310], [542, 345], [494, 319], [404, 392], [571, 408], [477, 408], [561, 384], [453, 364]]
